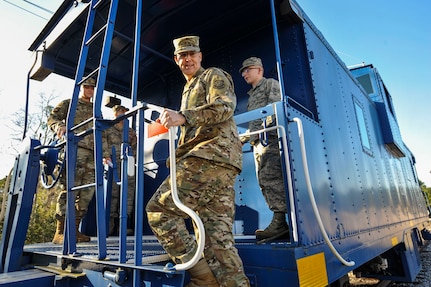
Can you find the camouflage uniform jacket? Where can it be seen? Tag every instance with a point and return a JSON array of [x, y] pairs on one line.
[[115, 138], [208, 104], [84, 111], [266, 91]]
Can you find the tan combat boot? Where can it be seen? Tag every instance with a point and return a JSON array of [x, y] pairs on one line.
[[59, 231], [202, 276], [278, 228], [79, 236]]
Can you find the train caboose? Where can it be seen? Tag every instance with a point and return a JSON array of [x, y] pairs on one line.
[[354, 199]]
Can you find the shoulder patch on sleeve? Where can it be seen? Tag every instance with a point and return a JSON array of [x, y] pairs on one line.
[[219, 84]]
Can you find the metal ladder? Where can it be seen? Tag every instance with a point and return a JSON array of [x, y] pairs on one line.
[[69, 246], [107, 32]]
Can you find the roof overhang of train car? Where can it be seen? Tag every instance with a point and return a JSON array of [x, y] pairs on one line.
[[218, 23]]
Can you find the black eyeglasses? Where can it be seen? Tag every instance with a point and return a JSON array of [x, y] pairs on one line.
[[184, 55], [247, 70]]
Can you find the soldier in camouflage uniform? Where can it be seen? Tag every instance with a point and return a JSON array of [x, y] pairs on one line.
[[115, 138], [208, 159], [267, 156], [84, 171]]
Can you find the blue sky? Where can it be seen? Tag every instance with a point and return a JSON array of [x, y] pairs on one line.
[[393, 35], [18, 28]]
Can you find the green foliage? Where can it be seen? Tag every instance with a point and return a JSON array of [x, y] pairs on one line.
[[2, 183], [426, 191], [42, 220]]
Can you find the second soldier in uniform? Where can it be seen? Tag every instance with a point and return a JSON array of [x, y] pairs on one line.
[[84, 170], [115, 138], [267, 155]]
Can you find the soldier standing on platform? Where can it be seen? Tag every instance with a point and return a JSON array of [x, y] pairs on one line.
[[267, 155], [115, 138], [84, 169]]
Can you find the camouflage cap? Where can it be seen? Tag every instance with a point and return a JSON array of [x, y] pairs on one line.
[[185, 44], [252, 61], [89, 82], [118, 108]]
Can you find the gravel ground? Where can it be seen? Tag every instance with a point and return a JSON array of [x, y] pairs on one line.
[[422, 280], [424, 277]]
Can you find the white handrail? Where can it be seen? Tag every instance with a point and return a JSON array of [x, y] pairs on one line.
[[200, 237], [311, 195], [288, 174]]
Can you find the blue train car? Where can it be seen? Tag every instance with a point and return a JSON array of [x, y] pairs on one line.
[[354, 199]]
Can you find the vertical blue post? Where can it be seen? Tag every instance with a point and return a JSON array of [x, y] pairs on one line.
[[123, 191], [139, 196], [277, 52]]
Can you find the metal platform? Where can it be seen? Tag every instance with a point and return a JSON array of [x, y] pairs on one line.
[[21, 278], [85, 269], [44, 254], [87, 251]]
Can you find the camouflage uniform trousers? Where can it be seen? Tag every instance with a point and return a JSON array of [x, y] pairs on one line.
[[207, 188], [115, 198], [270, 175], [84, 174]]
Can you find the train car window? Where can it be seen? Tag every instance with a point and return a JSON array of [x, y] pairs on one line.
[[366, 83], [363, 131], [389, 101]]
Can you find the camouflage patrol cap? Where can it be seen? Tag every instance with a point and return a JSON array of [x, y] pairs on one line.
[[252, 61], [186, 43], [89, 82], [118, 108]]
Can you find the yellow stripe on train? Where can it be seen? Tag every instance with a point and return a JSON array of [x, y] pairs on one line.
[[312, 271]]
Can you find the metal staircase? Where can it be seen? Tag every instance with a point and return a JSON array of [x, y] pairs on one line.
[[140, 267], [90, 36]]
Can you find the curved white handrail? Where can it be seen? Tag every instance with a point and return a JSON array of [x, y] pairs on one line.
[[311, 195], [200, 237]]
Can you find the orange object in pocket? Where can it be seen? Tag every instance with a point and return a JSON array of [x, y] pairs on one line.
[[155, 129]]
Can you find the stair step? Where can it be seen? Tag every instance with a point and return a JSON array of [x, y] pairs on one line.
[[24, 278]]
